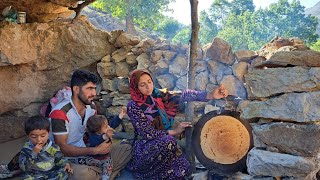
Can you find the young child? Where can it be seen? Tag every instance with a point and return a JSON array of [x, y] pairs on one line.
[[40, 158], [100, 132]]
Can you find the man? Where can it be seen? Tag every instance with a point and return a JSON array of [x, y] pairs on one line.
[[68, 123]]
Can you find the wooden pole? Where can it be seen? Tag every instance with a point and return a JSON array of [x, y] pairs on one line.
[[191, 77]]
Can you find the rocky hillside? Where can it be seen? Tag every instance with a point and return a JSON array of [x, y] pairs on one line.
[[102, 20], [315, 11]]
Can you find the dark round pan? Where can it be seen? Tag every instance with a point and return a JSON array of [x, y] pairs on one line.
[[226, 141]]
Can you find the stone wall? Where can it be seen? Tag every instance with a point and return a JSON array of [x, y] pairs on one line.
[[284, 107], [216, 65]]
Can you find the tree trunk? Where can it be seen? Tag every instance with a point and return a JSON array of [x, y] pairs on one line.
[[130, 29], [191, 77]]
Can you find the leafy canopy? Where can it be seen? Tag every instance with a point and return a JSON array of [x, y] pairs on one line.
[[146, 13]]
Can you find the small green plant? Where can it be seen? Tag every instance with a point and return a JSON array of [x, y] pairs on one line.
[[316, 46]]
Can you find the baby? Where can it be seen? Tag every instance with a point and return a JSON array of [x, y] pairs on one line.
[[100, 132]]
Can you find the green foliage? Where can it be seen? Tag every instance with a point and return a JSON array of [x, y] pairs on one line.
[[220, 9], [240, 6], [316, 46], [288, 20], [183, 36], [208, 29], [145, 13], [243, 32], [169, 27], [250, 30]]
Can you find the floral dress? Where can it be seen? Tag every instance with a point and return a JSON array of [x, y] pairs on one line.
[[156, 154]]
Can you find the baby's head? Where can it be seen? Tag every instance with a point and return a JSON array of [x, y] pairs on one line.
[[97, 124], [37, 128]]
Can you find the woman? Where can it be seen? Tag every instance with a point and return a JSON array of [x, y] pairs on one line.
[[155, 151]]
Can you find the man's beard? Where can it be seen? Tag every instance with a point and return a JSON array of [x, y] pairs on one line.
[[83, 99]]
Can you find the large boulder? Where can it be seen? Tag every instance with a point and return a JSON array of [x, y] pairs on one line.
[[273, 81], [38, 59], [294, 107], [41, 10]]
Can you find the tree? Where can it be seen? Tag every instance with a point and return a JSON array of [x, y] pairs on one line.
[[243, 32], [250, 30], [169, 27], [183, 36], [208, 29], [240, 6], [288, 19], [221, 9], [145, 13], [191, 76]]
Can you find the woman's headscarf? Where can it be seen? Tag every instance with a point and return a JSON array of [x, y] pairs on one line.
[[160, 107]]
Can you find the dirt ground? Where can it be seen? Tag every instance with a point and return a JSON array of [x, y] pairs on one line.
[[10, 148]]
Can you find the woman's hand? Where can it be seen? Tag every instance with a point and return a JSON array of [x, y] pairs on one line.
[[181, 127], [218, 93]]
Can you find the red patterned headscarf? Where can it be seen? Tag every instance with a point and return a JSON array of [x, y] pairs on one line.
[[160, 107]]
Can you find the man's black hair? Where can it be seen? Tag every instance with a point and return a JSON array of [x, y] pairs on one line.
[[36, 122], [82, 77]]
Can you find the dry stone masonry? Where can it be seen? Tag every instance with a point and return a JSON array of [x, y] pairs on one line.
[[284, 107]]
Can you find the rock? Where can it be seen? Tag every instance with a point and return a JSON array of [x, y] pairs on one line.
[[114, 35], [119, 55], [121, 100], [245, 55], [182, 83], [208, 108], [273, 81], [106, 59], [169, 55], [219, 50], [156, 56], [143, 46], [264, 163], [201, 66], [109, 85], [166, 81], [255, 61], [160, 68], [201, 80], [41, 10], [131, 59], [278, 42], [295, 139], [239, 70], [122, 69], [308, 58], [294, 107], [125, 39], [234, 86], [106, 69], [143, 61], [200, 176], [123, 85], [218, 71], [178, 66]]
